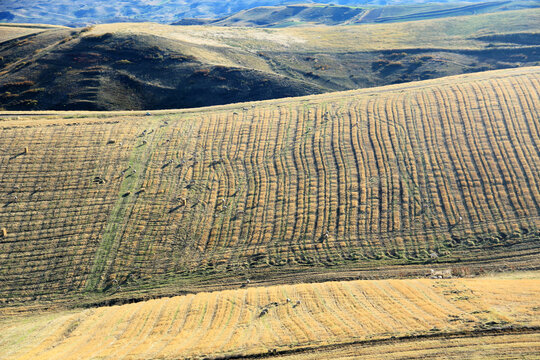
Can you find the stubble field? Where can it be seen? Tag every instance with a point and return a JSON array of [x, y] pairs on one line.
[[371, 319], [439, 172]]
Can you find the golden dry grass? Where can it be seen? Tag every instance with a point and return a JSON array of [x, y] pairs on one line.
[[13, 31], [234, 322], [516, 346], [8, 33], [207, 43], [378, 177], [211, 44]]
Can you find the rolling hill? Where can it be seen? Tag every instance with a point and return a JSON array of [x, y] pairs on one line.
[[389, 319], [287, 181], [77, 70], [103, 208], [152, 66]]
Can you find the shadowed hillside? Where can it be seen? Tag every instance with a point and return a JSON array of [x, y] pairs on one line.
[[151, 66], [121, 71]]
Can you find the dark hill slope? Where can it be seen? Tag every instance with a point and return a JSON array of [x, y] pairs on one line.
[[121, 71], [152, 66]]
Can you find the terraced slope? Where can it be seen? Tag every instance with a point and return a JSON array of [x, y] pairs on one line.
[[403, 317], [111, 205]]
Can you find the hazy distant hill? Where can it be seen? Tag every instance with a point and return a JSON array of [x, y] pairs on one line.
[[81, 13], [317, 14]]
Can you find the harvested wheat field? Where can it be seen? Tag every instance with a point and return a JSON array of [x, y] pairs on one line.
[[354, 318], [437, 172], [499, 346]]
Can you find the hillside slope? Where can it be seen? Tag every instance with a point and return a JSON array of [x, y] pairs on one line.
[[79, 70], [442, 171], [151, 66], [390, 319], [13, 31]]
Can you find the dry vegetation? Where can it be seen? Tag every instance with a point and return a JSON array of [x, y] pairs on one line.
[[401, 317], [499, 346], [436, 172], [151, 66], [451, 33], [13, 31]]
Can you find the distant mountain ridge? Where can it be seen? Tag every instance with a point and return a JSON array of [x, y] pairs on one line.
[[82, 13], [317, 14]]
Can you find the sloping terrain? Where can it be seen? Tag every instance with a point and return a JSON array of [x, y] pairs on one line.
[[151, 66], [315, 14], [437, 172], [14, 31], [387, 319], [500, 345], [73, 70]]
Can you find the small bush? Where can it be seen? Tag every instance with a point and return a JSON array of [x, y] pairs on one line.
[[461, 271], [322, 67]]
